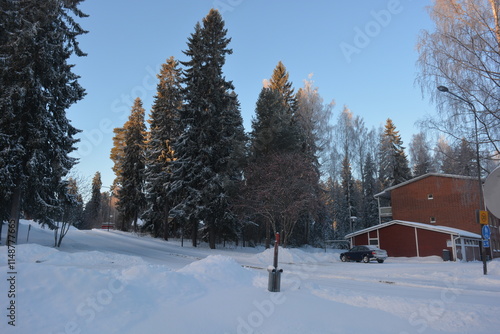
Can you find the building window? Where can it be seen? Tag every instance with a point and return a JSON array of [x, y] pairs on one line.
[[430, 196], [433, 220]]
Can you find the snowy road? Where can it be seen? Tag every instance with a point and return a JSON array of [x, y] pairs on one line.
[[114, 282]]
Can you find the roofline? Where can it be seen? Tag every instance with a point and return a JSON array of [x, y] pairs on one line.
[[424, 226], [471, 178]]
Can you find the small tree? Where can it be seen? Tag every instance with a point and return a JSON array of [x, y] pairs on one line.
[[278, 189], [73, 211]]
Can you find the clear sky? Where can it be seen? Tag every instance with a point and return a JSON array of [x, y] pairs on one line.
[[362, 54]]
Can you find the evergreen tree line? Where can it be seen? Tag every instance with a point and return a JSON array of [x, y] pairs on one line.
[[196, 174]]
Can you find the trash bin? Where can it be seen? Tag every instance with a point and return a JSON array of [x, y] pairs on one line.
[[446, 255], [274, 283]]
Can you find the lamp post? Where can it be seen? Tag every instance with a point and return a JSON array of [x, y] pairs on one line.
[[445, 89]]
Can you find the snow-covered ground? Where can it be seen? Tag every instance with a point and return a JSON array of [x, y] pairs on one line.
[[114, 282]]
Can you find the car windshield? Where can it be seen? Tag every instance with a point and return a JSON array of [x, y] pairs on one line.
[[372, 247]]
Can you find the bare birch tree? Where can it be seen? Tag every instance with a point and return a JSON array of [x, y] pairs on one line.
[[463, 54]]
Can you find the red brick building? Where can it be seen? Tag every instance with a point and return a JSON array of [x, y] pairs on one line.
[[439, 203]]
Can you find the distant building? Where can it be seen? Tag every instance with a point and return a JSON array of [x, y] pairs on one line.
[[432, 214]]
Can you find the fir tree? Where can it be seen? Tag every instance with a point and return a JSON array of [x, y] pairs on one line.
[[393, 161], [92, 211], [38, 86], [348, 210], [206, 166], [164, 130], [420, 155], [280, 82], [130, 195], [271, 129], [370, 208], [74, 213], [117, 155]]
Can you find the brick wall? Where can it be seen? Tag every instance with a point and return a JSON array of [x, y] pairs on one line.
[[449, 201]]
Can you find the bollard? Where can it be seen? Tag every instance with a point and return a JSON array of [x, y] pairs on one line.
[[274, 282]]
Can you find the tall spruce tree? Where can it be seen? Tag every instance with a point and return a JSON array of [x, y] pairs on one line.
[[38, 86], [117, 155], [280, 82], [369, 214], [131, 196], [348, 210], [206, 166], [394, 167], [164, 131], [92, 212], [271, 128]]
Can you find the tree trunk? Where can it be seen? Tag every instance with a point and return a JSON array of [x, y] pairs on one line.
[[268, 234], [15, 210], [165, 223], [194, 233], [211, 235]]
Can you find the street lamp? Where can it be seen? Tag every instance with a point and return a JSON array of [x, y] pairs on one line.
[[445, 89], [473, 108]]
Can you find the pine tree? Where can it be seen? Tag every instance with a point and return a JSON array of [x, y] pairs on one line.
[[117, 155], [271, 129], [393, 161], [74, 213], [38, 86], [465, 163], [420, 155], [280, 82], [92, 212], [130, 196], [206, 166], [348, 211], [370, 208], [164, 131]]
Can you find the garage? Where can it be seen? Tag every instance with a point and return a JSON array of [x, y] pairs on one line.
[[411, 239]]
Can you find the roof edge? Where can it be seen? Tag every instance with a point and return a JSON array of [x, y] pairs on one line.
[[437, 228]]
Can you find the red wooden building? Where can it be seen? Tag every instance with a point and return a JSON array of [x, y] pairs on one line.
[[409, 239], [430, 213]]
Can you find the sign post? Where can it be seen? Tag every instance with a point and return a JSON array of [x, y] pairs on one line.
[[485, 230], [483, 217]]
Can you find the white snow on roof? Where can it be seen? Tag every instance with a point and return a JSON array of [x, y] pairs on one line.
[[437, 228]]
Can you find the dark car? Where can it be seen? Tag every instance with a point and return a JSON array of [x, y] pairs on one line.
[[365, 253]]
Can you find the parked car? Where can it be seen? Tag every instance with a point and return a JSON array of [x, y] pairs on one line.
[[365, 253]]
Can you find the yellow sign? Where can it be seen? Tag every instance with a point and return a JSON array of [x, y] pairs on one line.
[[483, 217]]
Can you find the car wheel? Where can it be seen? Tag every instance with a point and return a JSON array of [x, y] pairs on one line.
[[343, 258], [380, 261], [366, 259]]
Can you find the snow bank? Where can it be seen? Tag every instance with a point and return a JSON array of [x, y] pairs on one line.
[[218, 268], [295, 256], [494, 267]]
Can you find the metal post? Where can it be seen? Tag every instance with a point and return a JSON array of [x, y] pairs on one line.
[[481, 202], [276, 244]]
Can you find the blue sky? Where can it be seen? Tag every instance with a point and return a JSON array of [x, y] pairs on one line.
[[361, 52]]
